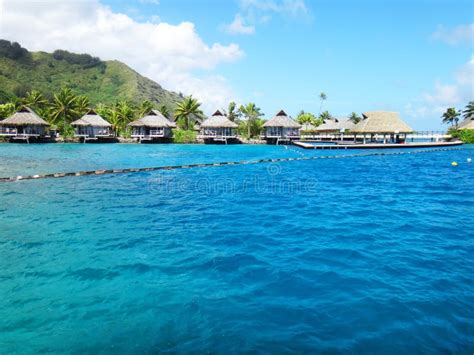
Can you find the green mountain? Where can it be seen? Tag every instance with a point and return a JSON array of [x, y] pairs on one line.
[[101, 81]]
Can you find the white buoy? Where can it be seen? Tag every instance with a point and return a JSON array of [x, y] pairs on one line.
[[469, 160]]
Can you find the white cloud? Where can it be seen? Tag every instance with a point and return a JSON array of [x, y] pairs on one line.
[[253, 12], [288, 7], [457, 35], [167, 53], [457, 93], [238, 26]]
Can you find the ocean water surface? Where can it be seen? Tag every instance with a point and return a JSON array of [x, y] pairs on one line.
[[369, 254]]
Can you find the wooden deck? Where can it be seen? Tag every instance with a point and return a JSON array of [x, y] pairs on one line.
[[308, 145]]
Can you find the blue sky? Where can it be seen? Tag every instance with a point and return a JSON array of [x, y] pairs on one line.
[[415, 57]]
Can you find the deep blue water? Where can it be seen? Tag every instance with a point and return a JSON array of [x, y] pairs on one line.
[[357, 255]]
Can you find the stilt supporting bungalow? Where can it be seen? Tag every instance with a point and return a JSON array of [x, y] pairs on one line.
[[24, 125], [92, 127], [152, 127], [218, 128], [281, 129]]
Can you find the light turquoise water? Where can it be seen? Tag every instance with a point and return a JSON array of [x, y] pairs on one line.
[[368, 254]]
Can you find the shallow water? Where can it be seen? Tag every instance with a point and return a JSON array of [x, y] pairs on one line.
[[367, 254]]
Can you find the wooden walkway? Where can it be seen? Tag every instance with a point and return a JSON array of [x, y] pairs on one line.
[[308, 145], [192, 166]]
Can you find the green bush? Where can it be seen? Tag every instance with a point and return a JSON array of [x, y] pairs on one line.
[[183, 136], [466, 135]]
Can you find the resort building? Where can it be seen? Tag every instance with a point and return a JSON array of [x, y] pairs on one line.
[[152, 127], [381, 126], [281, 129], [218, 128], [335, 125], [25, 125], [468, 123], [92, 126]]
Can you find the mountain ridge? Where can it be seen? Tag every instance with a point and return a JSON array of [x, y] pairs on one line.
[[101, 81]]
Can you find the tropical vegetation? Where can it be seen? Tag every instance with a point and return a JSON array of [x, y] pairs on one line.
[[451, 116], [354, 117], [188, 113], [466, 135], [252, 125]]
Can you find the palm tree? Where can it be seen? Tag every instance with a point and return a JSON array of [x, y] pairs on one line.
[[164, 111], [145, 108], [325, 116], [469, 110], [64, 107], [322, 97], [306, 117], [188, 112], [252, 113], [82, 105], [232, 113], [35, 100], [451, 116], [125, 112], [115, 120], [355, 118]]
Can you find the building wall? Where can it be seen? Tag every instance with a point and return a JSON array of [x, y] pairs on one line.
[[281, 132]]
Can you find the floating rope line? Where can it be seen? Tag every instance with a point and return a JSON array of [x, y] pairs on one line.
[[207, 165]]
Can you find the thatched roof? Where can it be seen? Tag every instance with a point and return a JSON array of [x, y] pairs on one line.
[[91, 118], [468, 123], [23, 117], [308, 127], [381, 122], [218, 120], [282, 120], [335, 125], [153, 119]]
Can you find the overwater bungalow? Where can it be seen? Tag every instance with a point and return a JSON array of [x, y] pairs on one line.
[[335, 125], [24, 125], [281, 129], [381, 126], [92, 127], [468, 123], [218, 128], [152, 127]]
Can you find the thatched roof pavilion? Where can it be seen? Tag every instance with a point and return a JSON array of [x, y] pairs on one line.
[[335, 125], [281, 129], [91, 118], [92, 126], [218, 120], [218, 128], [381, 122], [152, 126], [154, 119], [25, 116], [281, 119], [468, 123]]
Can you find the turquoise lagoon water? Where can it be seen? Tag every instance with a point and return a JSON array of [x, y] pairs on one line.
[[360, 255]]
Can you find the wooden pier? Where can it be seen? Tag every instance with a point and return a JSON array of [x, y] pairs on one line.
[[345, 145]]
